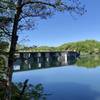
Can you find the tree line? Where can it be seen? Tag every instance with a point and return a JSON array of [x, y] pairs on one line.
[[85, 47]]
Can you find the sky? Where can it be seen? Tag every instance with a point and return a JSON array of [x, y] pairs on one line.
[[63, 28]]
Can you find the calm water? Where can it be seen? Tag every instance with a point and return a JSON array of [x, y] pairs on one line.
[[74, 80]]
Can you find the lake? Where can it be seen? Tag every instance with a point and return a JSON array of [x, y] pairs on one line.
[[75, 80]]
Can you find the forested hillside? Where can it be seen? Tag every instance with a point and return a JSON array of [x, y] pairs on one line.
[[87, 46]]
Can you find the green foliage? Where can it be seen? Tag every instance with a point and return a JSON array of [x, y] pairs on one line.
[[3, 46], [2, 68], [36, 49], [32, 92], [1, 62], [89, 61], [88, 46], [84, 47]]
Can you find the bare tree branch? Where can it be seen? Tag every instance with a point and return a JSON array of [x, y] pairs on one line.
[[6, 31], [38, 2]]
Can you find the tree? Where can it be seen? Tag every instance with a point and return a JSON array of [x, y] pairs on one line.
[[21, 14]]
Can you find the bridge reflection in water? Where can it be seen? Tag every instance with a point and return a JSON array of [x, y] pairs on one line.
[[36, 60]]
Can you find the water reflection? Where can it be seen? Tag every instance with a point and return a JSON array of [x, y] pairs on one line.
[[27, 64], [38, 63], [89, 61]]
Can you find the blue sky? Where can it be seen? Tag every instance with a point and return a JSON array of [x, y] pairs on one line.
[[62, 28]]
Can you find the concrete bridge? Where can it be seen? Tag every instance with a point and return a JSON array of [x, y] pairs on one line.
[[32, 60], [46, 56]]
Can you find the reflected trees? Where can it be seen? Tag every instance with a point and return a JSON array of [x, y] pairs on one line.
[[90, 61]]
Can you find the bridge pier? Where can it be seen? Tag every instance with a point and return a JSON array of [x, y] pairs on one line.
[[47, 57], [40, 59], [66, 56]]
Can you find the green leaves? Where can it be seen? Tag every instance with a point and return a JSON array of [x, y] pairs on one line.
[[90, 61], [32, 92], [3, 45], [88, 46]]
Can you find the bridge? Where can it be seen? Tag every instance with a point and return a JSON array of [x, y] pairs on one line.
[[32, 60], [42, 56]]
